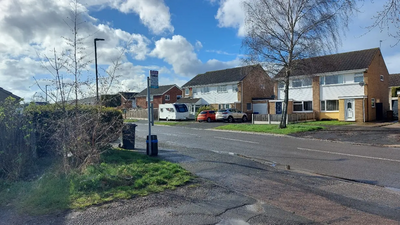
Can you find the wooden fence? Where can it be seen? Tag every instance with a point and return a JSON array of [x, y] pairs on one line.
[[276, 118], [140, 114]]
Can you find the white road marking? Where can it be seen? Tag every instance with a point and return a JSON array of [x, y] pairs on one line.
[[352, 155], [230, 139]]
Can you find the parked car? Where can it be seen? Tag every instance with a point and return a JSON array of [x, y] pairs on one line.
[[231, 115], [206, 115]]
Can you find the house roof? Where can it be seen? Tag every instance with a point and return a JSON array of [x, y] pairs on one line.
[[188, 100], [129, 95], [394, 80], [332, 63], [220, 76], [4, 94], [157, 91]]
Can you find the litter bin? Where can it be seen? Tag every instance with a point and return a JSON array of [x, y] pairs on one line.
[[154, 145], [128, 136]]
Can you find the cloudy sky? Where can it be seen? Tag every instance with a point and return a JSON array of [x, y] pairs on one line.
[[180, 38]]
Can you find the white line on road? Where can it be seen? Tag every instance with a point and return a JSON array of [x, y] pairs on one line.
[[359, 156], [230, 139]]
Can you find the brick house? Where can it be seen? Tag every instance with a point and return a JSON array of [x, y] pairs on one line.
[[394, 87], [128, 100], [5, 94], [241, 88], [161, 95], [347, 87]]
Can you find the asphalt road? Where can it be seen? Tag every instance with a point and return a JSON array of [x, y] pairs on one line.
[[367, 164]]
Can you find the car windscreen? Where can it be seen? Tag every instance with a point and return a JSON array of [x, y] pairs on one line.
[[203, 112], [181, 108], [222, 110]]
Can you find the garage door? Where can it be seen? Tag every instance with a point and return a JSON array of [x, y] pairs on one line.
[[261, 108], [395, 108]]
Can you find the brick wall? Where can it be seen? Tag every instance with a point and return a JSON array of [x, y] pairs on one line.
[[359, 110], [257, 84], [316, 97], [376, 88], [141, 102]]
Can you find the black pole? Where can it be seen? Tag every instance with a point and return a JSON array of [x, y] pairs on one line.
[[46, 92], [95, 63]]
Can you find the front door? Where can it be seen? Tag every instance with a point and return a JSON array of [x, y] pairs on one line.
[[349, 107], [278, 107]]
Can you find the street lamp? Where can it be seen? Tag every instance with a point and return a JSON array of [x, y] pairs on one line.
[[95, 62]]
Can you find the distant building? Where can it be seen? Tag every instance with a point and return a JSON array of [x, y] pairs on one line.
[[5, 94]]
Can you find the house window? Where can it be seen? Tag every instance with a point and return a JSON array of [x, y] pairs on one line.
[[302, 106], [297, 106], [307, 106], [281, 85], [166, 97], [307, 82], [358, 78], [151, 98], [234, 88], [187, 91], [221, 88], [296, 83], [335, 79], [194, 90], [373, 102], [330, 105], [381, 77], [178, 97], [248, 106], [223, 106], [205, 90]]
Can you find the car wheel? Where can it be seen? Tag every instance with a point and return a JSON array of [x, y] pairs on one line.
[[244, 119], [230, 119], [208, 119]]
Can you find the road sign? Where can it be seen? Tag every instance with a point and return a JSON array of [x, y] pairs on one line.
[[153, 79]]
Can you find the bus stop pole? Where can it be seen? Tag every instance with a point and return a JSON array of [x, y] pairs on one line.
[[149, 113]]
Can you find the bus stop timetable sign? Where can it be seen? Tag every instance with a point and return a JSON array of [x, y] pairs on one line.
[[153, 79]]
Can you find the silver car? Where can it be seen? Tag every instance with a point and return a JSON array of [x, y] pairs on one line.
[[230, 115]]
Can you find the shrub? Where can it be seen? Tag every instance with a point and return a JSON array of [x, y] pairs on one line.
[[16, 142]]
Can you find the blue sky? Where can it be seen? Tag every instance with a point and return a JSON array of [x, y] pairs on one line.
[[180, 38]]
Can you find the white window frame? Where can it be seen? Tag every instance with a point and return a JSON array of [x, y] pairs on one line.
[[302, 106], [187, 91], [382, 77], [222, 88], [325, 110], [357, 75], [373, 102], [205, 90], [167, 98], [322, 79]]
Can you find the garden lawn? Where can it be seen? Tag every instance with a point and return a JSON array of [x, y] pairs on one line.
[[270, 128], [121, 175]]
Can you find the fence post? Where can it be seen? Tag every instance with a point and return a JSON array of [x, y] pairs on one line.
[[269, 118]]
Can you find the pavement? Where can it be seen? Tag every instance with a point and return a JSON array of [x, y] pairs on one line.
[[233, 190]]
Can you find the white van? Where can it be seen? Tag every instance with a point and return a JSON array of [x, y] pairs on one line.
[[173, 112]]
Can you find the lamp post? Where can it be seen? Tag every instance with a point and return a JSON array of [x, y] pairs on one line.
[[95, 62]]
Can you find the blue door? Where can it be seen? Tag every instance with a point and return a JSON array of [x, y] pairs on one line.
[[278, 107]]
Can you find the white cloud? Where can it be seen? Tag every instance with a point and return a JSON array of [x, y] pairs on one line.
[[198, 45], [153, 13], [179, 53], [231, 14]]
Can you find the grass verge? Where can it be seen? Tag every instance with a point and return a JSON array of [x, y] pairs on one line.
[[269, 128], [170, 123], [121, 175], [130, 120]]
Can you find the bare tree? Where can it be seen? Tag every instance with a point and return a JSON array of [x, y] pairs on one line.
[[387, 17], [279, 32]]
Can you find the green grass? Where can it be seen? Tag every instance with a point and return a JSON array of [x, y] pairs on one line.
[[121, 175], [170, 123], [130, 120], [269, 128]]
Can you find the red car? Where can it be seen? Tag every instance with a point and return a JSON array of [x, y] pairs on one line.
[[206, 115]]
